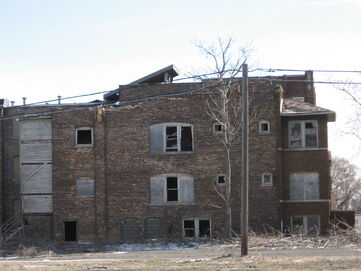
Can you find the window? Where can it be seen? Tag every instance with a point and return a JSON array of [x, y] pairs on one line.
[[153, 229], [70, 231], [307, 225], [264, 127], [304, 186], [221, 179], [196, 228], [171, 189], [84, 137], [171, 138], [85, 188], [218, 128], [130, 230], [303, 134], [267, 179]]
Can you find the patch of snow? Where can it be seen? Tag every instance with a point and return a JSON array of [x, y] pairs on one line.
[[150, 246], [35, 266]]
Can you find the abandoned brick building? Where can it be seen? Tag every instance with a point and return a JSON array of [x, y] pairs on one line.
[[141, 164]]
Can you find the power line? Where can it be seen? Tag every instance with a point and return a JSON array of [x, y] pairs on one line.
[[297, 70]]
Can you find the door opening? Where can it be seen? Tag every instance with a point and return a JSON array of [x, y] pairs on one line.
[[70, 231]]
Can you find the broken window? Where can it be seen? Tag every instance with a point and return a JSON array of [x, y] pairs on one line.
[[85, 188], [221, 179], [264, 127], [171, 138], [172, 188], [153, 229], [303, 134], [307, 225], [84, 137], [267, 179], [304, 186], [195, 228], [70, 231]]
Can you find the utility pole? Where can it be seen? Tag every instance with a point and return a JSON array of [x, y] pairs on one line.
[[244, 185]]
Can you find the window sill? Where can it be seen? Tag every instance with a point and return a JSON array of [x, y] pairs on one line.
[[305, 149], [305, 201], [172, 153], [267, 185], [84, 145], [171, 204]]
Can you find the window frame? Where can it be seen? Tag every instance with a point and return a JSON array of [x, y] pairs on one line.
[[85, 196], [179, 126], [91, 137], [263, 183], [302, 134], [305, 218], [260, 127], [220, 175], [180, 186], [304, 198], [196, 228], [215, 132]]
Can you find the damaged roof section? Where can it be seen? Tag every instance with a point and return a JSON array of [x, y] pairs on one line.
[[292, 107], [164, 75]]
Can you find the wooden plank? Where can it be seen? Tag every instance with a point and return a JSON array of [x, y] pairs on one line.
[[40, 180], [37, 203], [35, 153], [35, 129]]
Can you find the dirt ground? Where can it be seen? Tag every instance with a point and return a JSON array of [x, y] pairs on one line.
[[206, 257]]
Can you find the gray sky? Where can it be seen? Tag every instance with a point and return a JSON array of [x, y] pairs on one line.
[[69, 47]]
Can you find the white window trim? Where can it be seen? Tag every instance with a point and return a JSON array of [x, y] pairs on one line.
[[196, 228], [219, 175], [262, 179], [303, 135], [179, 136], [260, 127], [82, 129], [305, 222], [218, 132]]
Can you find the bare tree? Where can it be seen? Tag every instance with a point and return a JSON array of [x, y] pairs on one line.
[[353, 92], [346, 185], [224, 105]]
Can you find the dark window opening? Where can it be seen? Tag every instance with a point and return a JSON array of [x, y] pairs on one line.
[[70, 231], [172, 189], [221, 179], [218, 128], [172, 138], [264, 127], [186, 139], [189, 228], [84, 137], [130, 230], [204, 228]]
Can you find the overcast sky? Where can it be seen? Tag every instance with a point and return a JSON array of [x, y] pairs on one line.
[[70, 47]]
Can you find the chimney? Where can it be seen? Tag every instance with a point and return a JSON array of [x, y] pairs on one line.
[[59, 99], [24, 100]]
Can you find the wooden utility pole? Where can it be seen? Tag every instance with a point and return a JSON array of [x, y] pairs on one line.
[[244, 186]]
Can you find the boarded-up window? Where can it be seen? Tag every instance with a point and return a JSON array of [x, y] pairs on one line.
[[37, 203], [307, 225], [153, 229], [304, 186], [175, 137], [171, 189], [85, 188], [130, 230]]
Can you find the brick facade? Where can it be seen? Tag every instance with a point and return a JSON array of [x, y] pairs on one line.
[[121, 164]]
